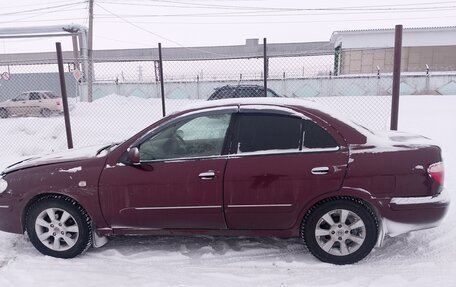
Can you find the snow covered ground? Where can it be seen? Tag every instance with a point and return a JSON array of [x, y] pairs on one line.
[[422, 258]]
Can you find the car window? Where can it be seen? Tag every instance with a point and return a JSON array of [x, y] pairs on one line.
[[317, 137], [222, 93], [266, 132], [21, 97], [270, 93], [198, 137], [249, 92], [50, 95], [34, 96]]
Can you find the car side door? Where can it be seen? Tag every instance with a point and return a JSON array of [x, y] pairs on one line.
[[279, 162], [179, 181], [17, 106], [34, 103]]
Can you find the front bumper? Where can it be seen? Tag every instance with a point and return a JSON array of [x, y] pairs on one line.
[[10, 217], [407, 214]]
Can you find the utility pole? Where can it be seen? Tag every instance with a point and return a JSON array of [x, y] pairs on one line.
[[90, 53]]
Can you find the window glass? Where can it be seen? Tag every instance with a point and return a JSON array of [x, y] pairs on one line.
[[249, 92], [198, 137], [263, 132], [35, 96], [21, 97], [50, 95], [271, 93], [317, 137], [222, 93]]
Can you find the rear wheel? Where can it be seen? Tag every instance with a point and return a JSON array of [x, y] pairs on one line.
[[46, 113], [3, 113], [340, 231], [59, 227]]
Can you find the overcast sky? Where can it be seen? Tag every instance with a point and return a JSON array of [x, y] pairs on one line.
[[144, 23]]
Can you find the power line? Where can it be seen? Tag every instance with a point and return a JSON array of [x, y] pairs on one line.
[[186, 4], [262, 14], [155, 34], [280, 22], [40, 9], [32, 4]]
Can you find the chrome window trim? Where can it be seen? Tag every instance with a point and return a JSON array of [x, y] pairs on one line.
[[171, 160], [288, 151]]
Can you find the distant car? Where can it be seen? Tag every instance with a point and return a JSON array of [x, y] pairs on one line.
[[271, 167], [241, 91], [41, 103]]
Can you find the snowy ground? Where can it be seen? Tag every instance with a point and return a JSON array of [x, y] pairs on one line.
[[422, 258]]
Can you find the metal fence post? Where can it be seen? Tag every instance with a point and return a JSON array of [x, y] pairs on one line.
[[396, 77], [66, 113], [265, 71], [162, 85]]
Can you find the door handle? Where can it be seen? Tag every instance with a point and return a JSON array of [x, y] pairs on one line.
[[210, 174], [320, 170]]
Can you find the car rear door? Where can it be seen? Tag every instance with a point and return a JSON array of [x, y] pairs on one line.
[[271, 174], [34, 103]]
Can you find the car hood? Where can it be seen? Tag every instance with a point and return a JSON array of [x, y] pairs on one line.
[[57, 157]]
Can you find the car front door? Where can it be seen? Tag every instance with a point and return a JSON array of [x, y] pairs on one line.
[[275, 170], [179, 181], [17, 106]]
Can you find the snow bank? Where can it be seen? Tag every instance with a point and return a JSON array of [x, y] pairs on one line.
[[424, 258]]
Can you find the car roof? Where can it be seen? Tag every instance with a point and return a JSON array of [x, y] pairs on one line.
[[38, 91], [238, 86], [280, 102]]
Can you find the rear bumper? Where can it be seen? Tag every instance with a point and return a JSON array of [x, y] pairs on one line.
[[407, 214]]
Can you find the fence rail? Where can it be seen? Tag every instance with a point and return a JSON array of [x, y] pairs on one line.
[[126, 92]]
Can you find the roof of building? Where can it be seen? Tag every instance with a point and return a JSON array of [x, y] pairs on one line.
[[384, 38]]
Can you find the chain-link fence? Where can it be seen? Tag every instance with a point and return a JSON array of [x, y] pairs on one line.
[[127, 92]]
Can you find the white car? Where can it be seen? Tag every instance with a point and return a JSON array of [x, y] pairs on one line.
[[43, 103]]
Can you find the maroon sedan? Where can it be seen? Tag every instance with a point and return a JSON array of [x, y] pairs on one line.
[[256, 167]]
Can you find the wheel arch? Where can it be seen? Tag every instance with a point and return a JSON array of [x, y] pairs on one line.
[[348, 193], [38, 197]]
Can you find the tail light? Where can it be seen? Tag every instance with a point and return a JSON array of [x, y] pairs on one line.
[[436, 171]]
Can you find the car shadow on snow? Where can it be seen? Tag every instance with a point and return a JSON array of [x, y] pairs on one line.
[[208, 249], [416, 246]]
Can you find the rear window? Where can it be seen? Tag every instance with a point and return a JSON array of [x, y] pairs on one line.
[[50, 95]]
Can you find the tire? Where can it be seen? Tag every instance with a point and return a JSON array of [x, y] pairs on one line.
[[4, 113], [67, 235], [46, 113], [332, 239]]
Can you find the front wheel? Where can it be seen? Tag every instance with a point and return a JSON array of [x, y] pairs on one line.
[[59, 227], [340, 231]]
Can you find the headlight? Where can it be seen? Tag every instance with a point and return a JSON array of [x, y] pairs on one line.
[[3, 185]]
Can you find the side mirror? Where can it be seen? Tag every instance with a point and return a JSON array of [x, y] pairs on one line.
[[133, 156]]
